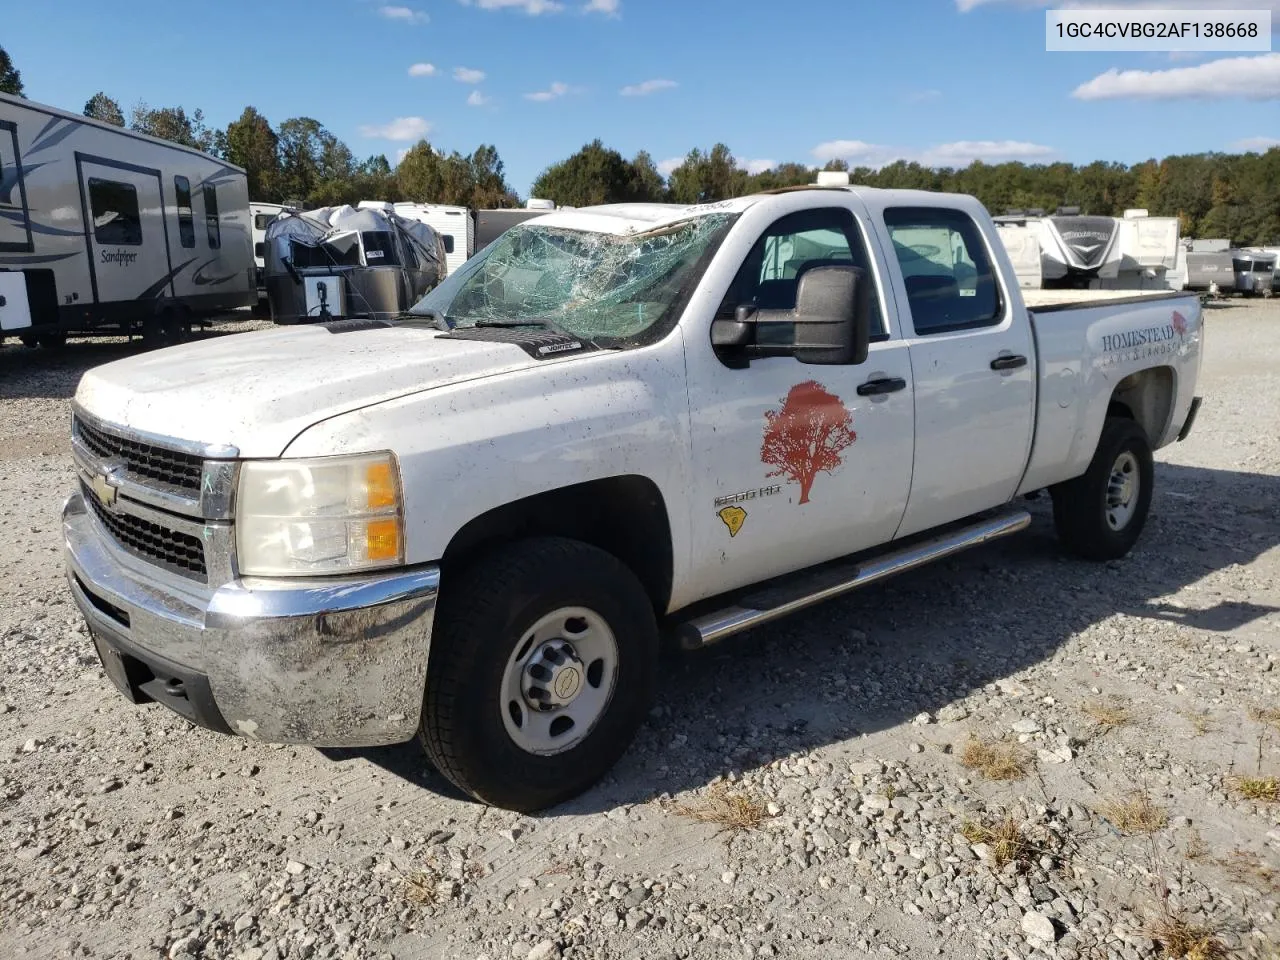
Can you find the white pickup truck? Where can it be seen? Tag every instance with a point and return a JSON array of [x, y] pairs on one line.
[[474, 525]]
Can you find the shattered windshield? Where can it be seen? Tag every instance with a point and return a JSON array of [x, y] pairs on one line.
[[598, 286]]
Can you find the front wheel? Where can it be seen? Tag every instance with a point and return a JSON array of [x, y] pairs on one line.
[[1100, 515], [542, 667]]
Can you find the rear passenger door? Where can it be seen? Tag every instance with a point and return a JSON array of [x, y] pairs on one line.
[[972, 360], [124, 217]]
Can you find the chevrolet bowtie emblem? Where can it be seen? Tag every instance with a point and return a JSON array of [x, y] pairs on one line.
[[106, 484]]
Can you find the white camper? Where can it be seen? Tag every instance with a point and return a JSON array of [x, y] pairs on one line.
[[106, 230], [1021, 239], [262, 216], [454, 224]]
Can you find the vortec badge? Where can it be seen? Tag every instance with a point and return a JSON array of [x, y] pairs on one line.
[[106, 484]]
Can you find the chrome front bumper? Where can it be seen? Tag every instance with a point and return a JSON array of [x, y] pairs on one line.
[[326, 662]]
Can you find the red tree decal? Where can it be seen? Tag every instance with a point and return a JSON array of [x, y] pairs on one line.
[[807, 436], [1179, 324]]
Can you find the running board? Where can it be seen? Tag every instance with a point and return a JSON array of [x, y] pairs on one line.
[[770, 605]]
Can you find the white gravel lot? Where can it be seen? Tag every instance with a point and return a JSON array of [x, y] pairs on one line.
[[127, 833]]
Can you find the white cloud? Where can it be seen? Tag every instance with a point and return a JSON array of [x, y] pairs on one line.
[[478, 99], [401, 128], [422, 70], [1255, 144], [468, 75], [758, 166], [401, 154], [554, 92], [1251, 78], [959, 153], [668, 166], [648, 87], [610, 8], [404, 14], [532, 7], [851, 150]]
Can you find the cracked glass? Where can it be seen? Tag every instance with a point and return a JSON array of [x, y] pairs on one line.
[[614, 289]]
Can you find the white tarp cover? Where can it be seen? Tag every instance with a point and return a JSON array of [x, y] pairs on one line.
[[340, 226]]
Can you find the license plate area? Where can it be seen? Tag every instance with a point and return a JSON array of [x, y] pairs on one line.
[[117, 668]]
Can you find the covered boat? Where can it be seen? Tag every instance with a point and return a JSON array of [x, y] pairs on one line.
[[349, 262]]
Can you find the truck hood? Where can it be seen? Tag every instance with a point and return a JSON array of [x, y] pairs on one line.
[[257, 391]]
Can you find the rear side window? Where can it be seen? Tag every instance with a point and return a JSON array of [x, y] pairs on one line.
[[211, 216], [114, 206], [950, 281], [186, 219]]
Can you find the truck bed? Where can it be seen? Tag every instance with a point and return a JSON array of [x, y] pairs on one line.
[[1046, 301]]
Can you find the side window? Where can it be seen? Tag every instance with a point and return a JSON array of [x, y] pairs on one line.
[[950, 281], [186, 219], [770, 277], [448, 242], [263, 220], [211, 216], [115, 213]]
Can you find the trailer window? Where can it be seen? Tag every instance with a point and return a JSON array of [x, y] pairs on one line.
[[448, 242], [114, 207], [211, 216], [950, 282], [186, 219], [263, 220]]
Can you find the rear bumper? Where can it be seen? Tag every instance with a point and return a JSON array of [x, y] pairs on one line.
[[1191, 419], [324, 662]]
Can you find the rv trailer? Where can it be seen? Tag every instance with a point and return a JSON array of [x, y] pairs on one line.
[[1021, 239], [1209, 270], [1077, 251], [338, 262], [491, 224], [263, 215], [103, 230], [1254, 272]]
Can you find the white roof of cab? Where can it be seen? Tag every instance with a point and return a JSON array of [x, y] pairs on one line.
[[622, 219]]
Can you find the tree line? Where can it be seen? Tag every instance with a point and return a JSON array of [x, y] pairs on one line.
[[1214, 194]]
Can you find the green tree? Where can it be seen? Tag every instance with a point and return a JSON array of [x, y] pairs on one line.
[[594, 175], [101, 107], [173, 124], [10, 78], [252, 144], [647, 184], [707, 177]]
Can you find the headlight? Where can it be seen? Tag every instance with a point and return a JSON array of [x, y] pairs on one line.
[[326, 515]]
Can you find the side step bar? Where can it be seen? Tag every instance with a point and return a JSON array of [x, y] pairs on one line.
[[713, 627]]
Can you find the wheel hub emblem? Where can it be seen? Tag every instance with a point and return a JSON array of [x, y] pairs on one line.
[[567, 683]]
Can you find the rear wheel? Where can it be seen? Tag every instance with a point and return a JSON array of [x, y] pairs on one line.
[[1100, 515], [542, 667]]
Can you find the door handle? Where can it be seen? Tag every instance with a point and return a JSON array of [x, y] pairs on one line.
[[877, 388], [1009, 362]]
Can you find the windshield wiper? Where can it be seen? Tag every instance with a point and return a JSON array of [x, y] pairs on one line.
[[544, 324]]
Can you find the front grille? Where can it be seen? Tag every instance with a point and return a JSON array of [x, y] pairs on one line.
[[171, 549], [144, 462]]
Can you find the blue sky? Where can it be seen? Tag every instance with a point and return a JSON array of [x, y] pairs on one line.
[[942, 81]]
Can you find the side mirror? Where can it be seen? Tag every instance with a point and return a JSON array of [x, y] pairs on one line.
[[832, 316]]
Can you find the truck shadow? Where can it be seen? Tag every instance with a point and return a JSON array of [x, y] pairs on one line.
[[879, 657]]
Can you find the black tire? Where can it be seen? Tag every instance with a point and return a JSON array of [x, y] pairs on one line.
[[484, 613], [52, 341], [1081, 509], [153, 331]]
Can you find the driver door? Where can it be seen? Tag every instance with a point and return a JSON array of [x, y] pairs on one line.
[[796, 464]]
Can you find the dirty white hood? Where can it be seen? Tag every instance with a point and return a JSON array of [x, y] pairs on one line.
[[258, 391]]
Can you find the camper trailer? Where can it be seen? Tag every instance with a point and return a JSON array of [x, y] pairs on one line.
[[103, 230], [1078, 251], [1021, 238], [338, 262], [1254, 272], [454, 224], [491, 224], [263, 215]]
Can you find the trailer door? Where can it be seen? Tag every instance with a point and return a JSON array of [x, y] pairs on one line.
[[126, 234]]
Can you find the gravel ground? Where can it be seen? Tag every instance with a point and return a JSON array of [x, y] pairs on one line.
[[828, 753]]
